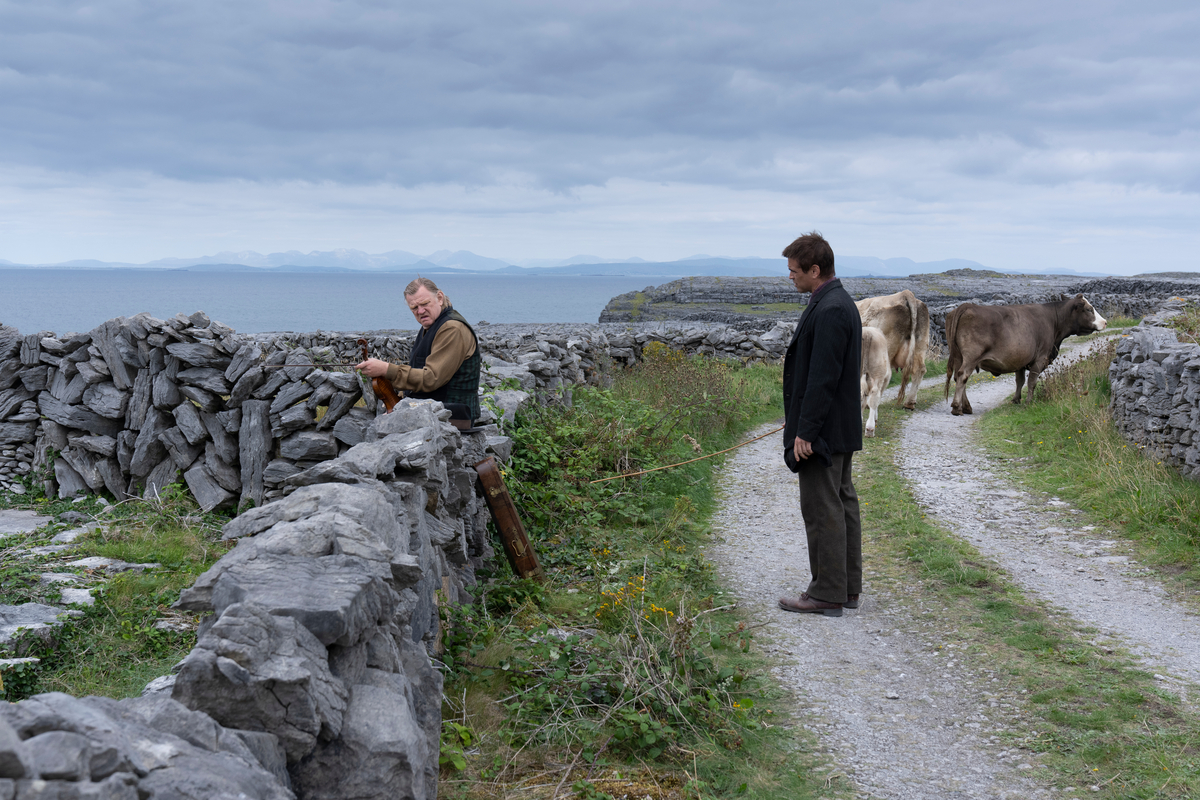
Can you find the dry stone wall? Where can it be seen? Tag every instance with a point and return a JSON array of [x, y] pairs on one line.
[[311, 677], [1155, 382], [130, 405]]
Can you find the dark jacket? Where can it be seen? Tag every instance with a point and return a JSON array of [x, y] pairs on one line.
[[463, 386], [821, 375]]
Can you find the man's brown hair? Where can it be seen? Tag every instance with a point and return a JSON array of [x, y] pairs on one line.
[[810, 249], [418, 282]]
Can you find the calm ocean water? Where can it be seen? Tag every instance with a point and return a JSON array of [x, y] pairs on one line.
[[63, 300]]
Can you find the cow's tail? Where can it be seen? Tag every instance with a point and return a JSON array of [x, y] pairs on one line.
[[914, 313], [954, 359]]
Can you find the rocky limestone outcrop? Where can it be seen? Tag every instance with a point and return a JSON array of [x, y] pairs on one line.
[[145, 748], [756, 304]]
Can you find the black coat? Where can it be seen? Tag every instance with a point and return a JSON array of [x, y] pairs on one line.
[[821, 375]]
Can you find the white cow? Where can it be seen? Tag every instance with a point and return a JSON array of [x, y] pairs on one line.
[[876, 372], [904, 320]]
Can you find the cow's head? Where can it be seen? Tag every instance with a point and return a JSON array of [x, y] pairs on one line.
[[1084, 317]]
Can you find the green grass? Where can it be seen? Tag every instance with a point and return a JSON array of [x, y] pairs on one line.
[[1096, 718], [660, 683], [1065, 444], [114, 649]]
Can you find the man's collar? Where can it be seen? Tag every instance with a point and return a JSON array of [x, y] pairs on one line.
[[813, 297]]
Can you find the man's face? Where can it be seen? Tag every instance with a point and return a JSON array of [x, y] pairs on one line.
[[805, 281], [425, 305]]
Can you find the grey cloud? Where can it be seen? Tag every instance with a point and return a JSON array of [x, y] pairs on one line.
[[474, 93]]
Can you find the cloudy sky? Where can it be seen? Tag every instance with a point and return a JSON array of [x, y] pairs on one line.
[[1018, 134]]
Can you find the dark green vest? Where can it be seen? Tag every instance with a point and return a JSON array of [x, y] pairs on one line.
[[463, 386]]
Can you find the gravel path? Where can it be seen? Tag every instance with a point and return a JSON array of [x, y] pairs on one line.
[[903, 713], [1076, 568]]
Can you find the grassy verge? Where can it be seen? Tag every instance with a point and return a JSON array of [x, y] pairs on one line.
[[627, 673], [1096, 718], [129, 635], [1065, 444]]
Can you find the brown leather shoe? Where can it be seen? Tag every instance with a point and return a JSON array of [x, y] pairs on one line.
[[810, 605], [851, 601]]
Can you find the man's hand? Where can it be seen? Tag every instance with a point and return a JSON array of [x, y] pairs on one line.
[[373, 368], [802, 449]]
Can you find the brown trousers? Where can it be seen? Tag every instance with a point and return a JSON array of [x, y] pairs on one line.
[[829, 506]]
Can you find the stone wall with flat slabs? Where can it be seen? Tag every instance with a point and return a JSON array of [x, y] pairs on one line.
[[1155, 382]]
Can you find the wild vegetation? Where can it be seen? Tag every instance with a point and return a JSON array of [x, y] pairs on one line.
[[129, 635], [628, 672]]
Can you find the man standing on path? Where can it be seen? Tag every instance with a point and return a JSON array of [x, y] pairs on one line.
[[824, 428]]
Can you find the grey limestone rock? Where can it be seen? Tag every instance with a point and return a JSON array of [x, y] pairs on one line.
[[226, 446], [200, 354], [207, 378], [308, 446], [14, 758], [256, 671], [11, 399], [140, 400], [34, 616], [100, 445], [254, 448], [291, 419], [351, 428], [182, 453], [335, 597], [201, 397], [59, 755], [187, 418], [279, 470], [208, 493], [17, 432], [227, 476], [148, 451], [250, 380], [289, 395], [35, 379], [70, 482], [161, 476], [246, 357], [94, 370], [84, 463], [76, 417], [510, 401], [415, 451], [382, 751], [69, 389], [164, 393], [106, 400], [339, 404], [408, 416], [109, 341]]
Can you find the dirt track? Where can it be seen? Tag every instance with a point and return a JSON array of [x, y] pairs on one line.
[[902, 713]]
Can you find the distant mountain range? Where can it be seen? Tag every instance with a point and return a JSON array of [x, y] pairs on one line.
[[466, 262]]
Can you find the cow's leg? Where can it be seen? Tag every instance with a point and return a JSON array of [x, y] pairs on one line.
[[1021, 382], [872, 400], [960, 404], [914, 375], [1033, 376]]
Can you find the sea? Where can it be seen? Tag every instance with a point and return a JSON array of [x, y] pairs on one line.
[[77, 300]]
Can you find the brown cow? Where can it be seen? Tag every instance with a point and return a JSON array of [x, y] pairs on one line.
[[904, 320], [876, 372], [1004, 339]]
